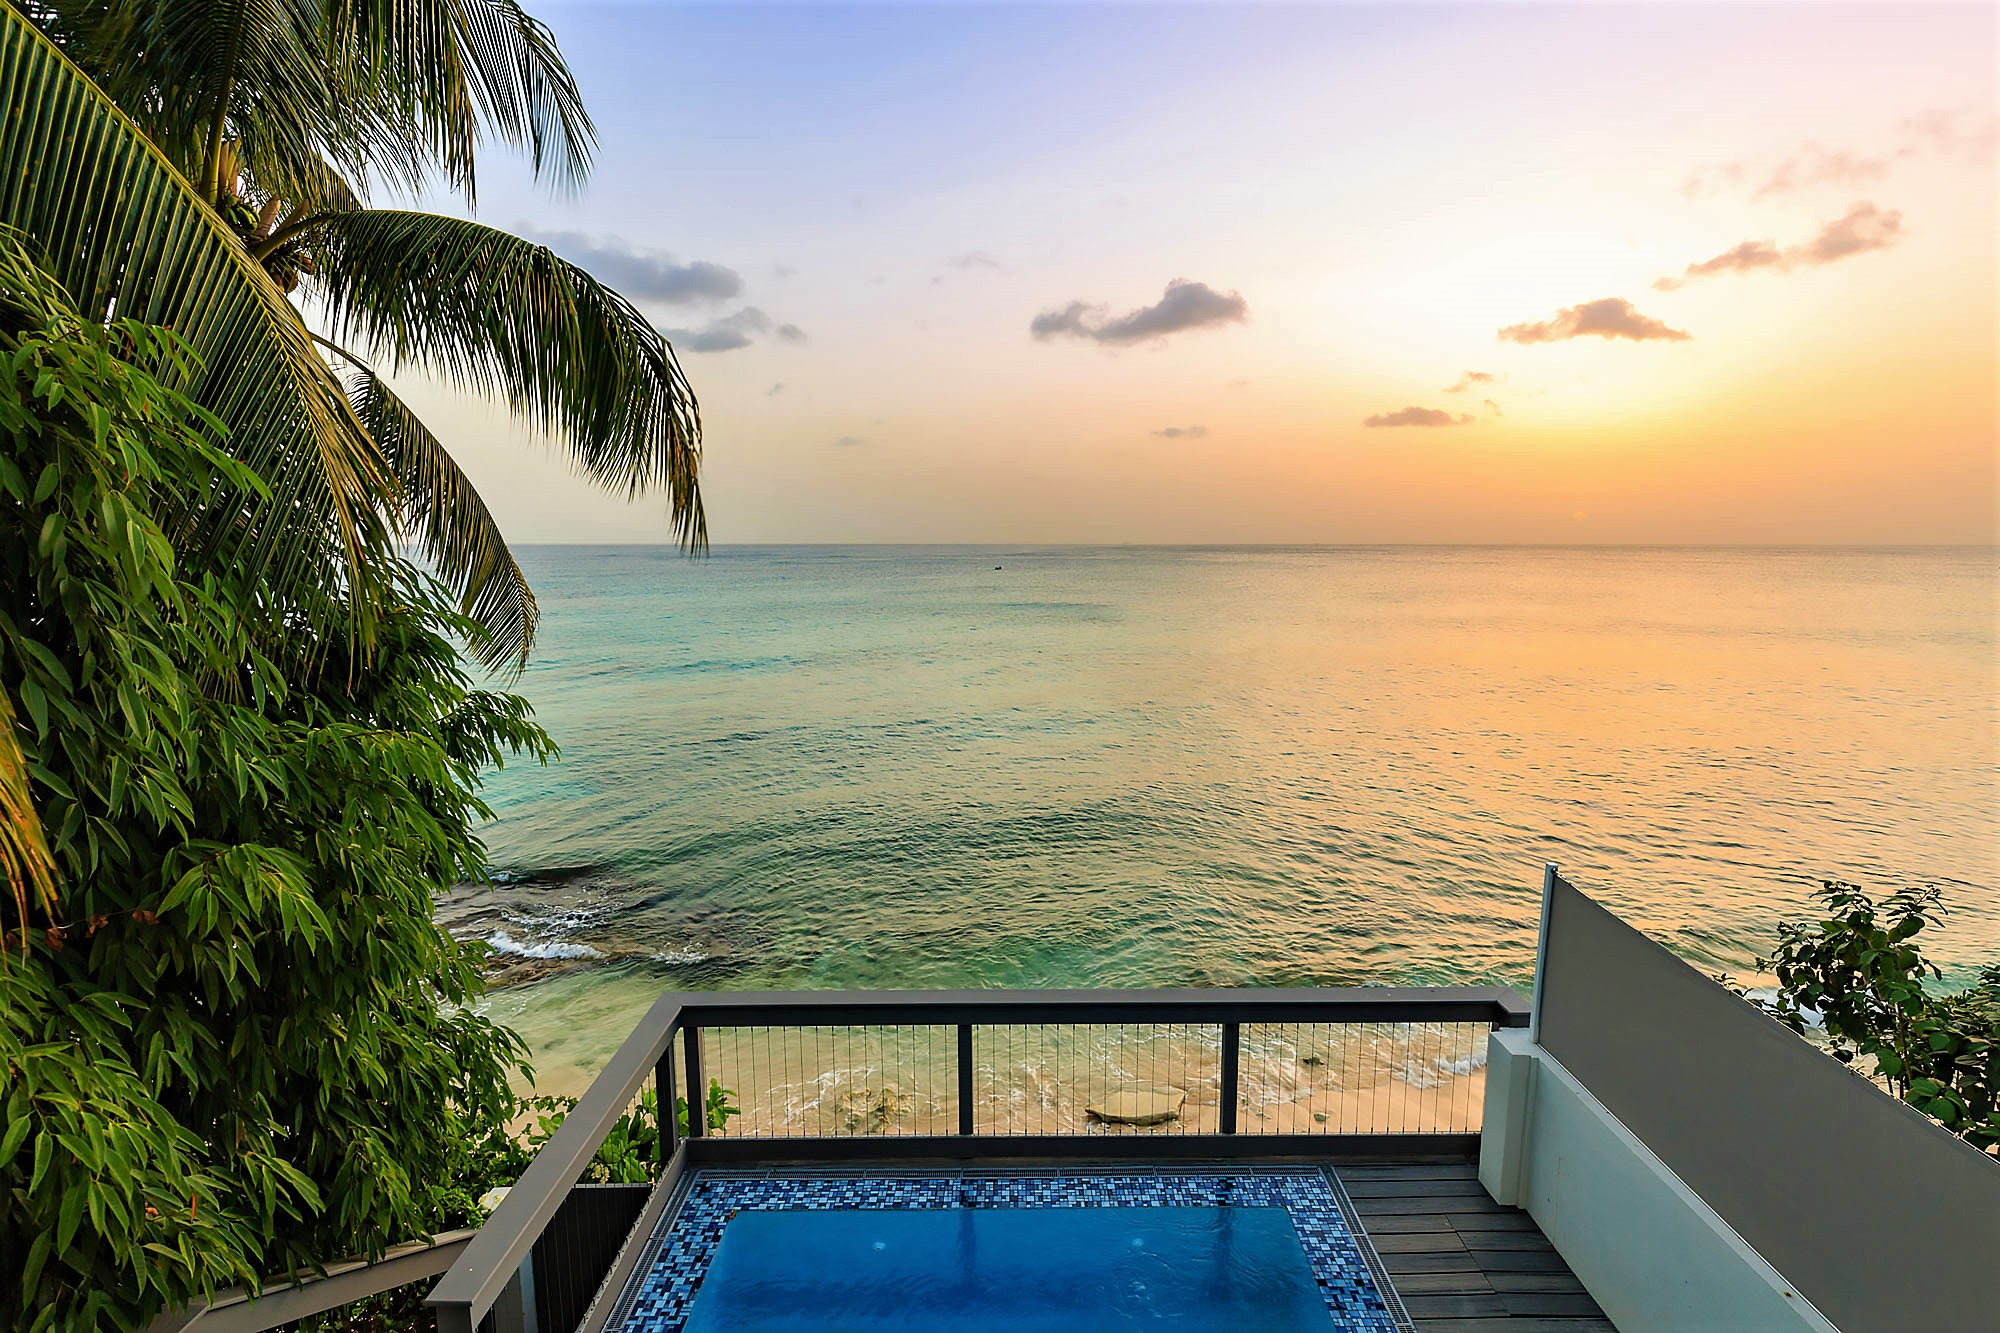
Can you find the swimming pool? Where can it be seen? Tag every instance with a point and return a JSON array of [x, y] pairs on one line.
[[982, 1252]]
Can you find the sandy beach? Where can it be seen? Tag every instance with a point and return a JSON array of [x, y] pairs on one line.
[[1296, 1078]]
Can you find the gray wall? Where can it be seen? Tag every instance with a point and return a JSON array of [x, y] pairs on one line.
[[1879, 1218]]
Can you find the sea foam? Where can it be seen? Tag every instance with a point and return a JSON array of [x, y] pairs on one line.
[[502, 942]]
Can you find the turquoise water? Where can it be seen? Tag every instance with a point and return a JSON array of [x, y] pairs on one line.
[[1010, 1270], [863, 767]]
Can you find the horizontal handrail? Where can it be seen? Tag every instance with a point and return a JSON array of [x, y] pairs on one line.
[[1500, 1005], [236, 1310], [489, 1262], [465, 1293]]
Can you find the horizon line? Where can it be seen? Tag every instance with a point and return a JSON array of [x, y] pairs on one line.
[[1277, 545]]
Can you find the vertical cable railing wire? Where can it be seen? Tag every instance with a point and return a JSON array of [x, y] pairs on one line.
[[1094, 1078], [1363, 1078], [828, 1081], [907, 1080]]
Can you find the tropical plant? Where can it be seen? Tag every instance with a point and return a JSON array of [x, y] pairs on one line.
[[1858, 974], [249, 140], [232, 1039], [630, 1152]]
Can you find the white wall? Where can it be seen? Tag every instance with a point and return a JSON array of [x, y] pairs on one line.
[[1649, 1250]]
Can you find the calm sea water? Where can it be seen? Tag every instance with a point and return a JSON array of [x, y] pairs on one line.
[[904, 767]]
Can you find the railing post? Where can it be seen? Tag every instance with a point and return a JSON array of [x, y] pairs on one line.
[[1551, 876], [663, 1088], [697, 1088], [965, 1078], [1231, 1053], [515, 1311]]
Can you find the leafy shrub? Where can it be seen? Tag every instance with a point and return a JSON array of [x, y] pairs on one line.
[[630, 1153], [233, 1041], [1860, 970]]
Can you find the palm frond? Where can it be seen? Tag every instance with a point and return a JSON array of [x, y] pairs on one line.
[[439, 507], [499, 315], [457, 67], [261, 78], [121, 229]]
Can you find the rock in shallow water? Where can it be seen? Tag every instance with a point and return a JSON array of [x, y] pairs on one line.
[[1139, 1106]]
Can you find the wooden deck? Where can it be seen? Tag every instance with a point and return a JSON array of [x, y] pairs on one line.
[[1461, 1262]]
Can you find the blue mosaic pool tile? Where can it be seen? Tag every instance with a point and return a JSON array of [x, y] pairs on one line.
[[693, 1231]]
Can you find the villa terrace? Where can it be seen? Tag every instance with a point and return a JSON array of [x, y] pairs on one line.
[[1644, 1151]]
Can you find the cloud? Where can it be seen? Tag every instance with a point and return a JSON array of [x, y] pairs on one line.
[[1182, 432], [1069, 319], [1611, 317], [848, 442], [1740, 259], [975, 259], [1928, 133], [642, 275], [1184, 305], [1493, 407], [1814, 165], [1418, 416], [1942, 131], [731, 333], [783, 271], [1862, 228], [1470, 378], [775, 389]]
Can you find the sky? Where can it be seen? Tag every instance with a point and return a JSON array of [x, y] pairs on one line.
[[1139, 273]]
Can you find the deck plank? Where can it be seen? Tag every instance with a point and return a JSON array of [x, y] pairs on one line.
[[1524, 1282], [1463, 1306], [1443, 1284], [1503, 1240], [1550, 1303], [1469, 1188], [1461, 1262], [1515, 1323], [1425, 1204], [1396, 1223], [1417, 1242], [1409, 1171]]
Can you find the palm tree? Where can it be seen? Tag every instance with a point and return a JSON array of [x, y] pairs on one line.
[[193, 162]]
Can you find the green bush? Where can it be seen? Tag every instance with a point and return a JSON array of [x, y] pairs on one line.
[[630, 1153], [1861, 972], [234, 1041]]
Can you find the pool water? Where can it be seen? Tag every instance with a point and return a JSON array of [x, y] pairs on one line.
[[1091, 1248], [1021, 1270]]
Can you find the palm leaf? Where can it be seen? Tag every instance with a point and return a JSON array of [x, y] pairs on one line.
[[252, 84], [455, 66], [495, 314], [441, 509], [121, 229]]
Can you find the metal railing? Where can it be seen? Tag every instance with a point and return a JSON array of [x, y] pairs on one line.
[[971, 1075], [235, 1310]]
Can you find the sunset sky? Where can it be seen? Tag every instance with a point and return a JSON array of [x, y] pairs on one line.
[[1138, 273]]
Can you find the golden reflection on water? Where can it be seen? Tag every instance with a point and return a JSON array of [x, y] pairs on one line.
[[906, 769]]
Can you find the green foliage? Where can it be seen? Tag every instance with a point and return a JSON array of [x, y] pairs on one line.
[[630, 1153], [199, 162], [233, 1040], [1861, 971], [720, 1106]]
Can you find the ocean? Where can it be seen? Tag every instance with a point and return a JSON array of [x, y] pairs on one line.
[[878, 767]]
